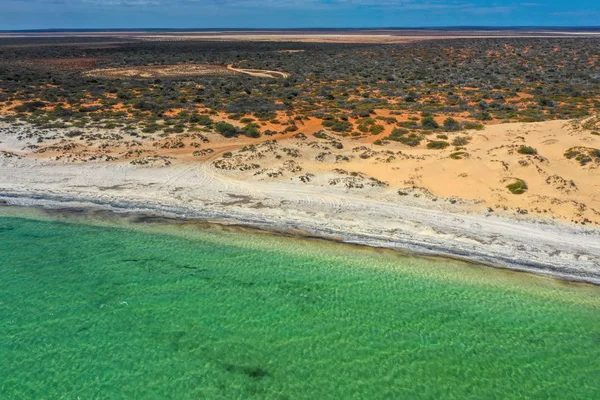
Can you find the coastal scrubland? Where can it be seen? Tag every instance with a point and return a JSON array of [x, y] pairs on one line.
[[508, 125]]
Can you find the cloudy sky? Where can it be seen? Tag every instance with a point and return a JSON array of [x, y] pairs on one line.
[[48, 14]]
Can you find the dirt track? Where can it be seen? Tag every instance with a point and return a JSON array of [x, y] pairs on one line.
[[182, 70], [259, 73]]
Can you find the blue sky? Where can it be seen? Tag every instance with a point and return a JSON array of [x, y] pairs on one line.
[[46, 14]]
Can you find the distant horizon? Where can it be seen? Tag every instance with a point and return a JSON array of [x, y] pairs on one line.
[[381, 28], [20, 15]]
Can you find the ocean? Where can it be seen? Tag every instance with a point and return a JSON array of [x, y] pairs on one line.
[[97, 307]]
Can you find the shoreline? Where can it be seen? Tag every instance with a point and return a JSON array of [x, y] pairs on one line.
[[456, 225], [177, 213]]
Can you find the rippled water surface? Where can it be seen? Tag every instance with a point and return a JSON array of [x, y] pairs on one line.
[[124, 310]]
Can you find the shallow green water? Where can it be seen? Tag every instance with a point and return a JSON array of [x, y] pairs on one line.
[[151, 311]]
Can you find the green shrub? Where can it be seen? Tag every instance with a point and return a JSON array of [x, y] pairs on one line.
[[226, 129], [251, 130], [321, 135], [376, 129], [437, 144], [584, 155], [337, 125], [200, 119], [518, 187], [341, 126], [408, 124], [461, 141], [151, 128], [363, 110], [409, 140], [450, 124], [472, 125], [365, 123], [30, 106], [527, 150], [459, 155], [571, 153], [429, 123], [483, 116], [397, 132]]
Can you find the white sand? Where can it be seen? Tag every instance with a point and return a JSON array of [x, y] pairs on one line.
[[377, 218]]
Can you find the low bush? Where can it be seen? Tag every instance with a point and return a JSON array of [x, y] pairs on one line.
[[226, 129], [472, 125], [437, 144], [450, 124], [429, 123], [461, 141], [518, 187], [201, 119], [251, 130], [376, 129], [528, 150], [408, 124], [458, 155], [409, 140]]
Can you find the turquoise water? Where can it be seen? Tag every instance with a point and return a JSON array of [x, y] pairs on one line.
[[123, 310]]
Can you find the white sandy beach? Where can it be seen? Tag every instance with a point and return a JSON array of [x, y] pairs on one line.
[[376, 218]]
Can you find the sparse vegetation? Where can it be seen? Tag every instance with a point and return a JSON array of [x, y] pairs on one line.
[[429, 123], [450, 124], [531, 81], [409, 139], [517, 187], [461, 141], [458, 155], [472, 125], [528, 150], [583, 155], [437, 144], [251, 130], [226, 129]]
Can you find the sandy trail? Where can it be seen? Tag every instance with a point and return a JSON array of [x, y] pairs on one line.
[[259, 73]]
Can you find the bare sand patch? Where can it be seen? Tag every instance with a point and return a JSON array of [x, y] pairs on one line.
[[163, 71], [182, 71], [259, 73]]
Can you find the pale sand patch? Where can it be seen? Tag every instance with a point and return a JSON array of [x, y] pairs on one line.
[[161, 71], [259, 73]]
